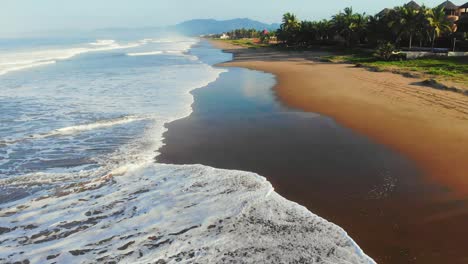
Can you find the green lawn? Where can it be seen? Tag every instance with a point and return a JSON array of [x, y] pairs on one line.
[[248, 43], [443, 68]]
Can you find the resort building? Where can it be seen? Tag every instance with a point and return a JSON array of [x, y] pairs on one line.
[[413, 5], [453, 11], [463, 10], [224, 36]]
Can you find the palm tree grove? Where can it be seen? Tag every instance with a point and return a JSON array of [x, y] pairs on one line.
[[409, 26]]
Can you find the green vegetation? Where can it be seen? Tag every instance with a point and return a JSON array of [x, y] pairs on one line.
[[247, 43], [375, 41], [403, 25], [443, 68], [243, 33]]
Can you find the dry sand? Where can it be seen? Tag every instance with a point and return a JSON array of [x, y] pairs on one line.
[[428, 126]]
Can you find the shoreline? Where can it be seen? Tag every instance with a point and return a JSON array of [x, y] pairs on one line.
[[408, 215], [238, 124], [388, 108], [144, 211]]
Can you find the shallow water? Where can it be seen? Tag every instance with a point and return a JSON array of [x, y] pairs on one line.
[[379, 196]]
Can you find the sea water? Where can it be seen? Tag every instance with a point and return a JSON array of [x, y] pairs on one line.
[[81, 124]]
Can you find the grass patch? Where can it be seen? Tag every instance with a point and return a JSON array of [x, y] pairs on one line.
[[445, 68], [248, 43]]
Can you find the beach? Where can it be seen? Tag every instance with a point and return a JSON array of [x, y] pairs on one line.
[[416, 136], [428, 125]]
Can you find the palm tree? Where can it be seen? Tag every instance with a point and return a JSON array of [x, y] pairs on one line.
[[350, 25], [308, 32], [289, 29], [324, 29], [359, 25], [407, 22], [290, 22], [438, 23], [342, 24]]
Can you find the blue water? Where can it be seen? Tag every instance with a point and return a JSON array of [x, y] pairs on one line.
[[80, 116]]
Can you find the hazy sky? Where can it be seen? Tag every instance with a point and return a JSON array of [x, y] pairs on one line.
[[19, 16]]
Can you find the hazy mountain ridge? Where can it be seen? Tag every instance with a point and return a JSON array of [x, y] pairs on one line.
[[193, 27], [212, 26]]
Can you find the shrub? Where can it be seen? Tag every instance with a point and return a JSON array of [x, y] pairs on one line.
[[398, 56], [385, 51]]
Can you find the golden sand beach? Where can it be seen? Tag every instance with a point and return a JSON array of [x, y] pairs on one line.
[[429, 126]]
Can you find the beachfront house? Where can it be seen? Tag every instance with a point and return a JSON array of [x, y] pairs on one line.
[[457, 14], [463, 10], [224, 36], [413, 5], [453, 12]]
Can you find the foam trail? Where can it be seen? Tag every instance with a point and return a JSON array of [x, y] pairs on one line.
[[103, 42], [145, 53], [23, 66], [169, 52], [65, 131], [96, 125], [198, 214], [10, 62]]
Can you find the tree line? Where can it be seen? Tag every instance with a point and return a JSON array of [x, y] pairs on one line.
[[244, 33], [401, 25]]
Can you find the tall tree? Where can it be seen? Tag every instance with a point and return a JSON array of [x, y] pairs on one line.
[[359, 25], [407, 22], [349, 25], [342, 24], [438, 22], [289, 29]]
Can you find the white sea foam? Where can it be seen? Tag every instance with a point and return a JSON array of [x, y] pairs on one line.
[[174, 213], [96, 125], [64, 131], [6, 68], [103, 42], [168, 52], [10, 62], [180, 48], [145, 53]]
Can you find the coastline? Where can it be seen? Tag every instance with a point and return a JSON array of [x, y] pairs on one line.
[[400, 226], [428, 126], [142, 211]]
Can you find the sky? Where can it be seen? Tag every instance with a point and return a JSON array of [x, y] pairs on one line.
[[21, 17]]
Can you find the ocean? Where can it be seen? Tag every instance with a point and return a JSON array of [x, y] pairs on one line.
[[82, 121]]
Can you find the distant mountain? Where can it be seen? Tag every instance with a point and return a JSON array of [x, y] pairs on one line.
[[194, 27], [210, 26]]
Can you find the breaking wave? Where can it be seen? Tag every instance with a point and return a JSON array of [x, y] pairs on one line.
[[145, 53], [10, 62], [79, 128], [91, 126]]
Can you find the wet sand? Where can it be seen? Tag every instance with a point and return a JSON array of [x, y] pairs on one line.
[[385, 198]]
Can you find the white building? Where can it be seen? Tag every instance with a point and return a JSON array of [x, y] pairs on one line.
[[224, 36]]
